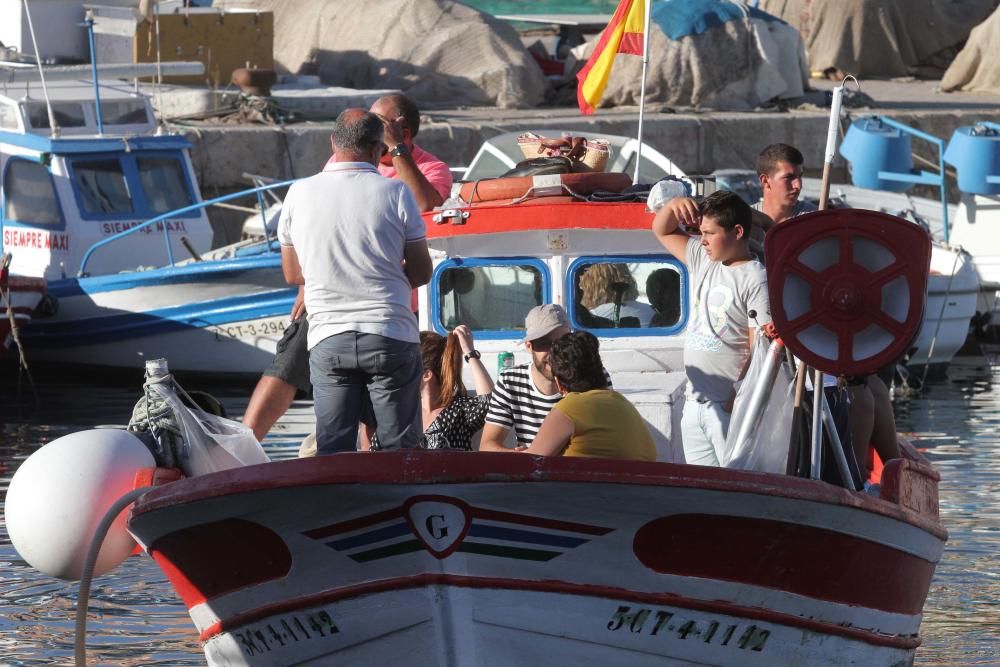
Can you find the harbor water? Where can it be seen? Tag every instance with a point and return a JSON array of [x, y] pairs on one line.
[[137, 619]]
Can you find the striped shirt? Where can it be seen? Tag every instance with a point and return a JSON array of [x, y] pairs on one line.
[[517, 404]]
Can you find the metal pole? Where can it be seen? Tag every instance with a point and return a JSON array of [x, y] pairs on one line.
[[944, 192], [53, 127], [816, 452], [831, 144], [838, 447], [89, 22], [642, 84], [824, 196], [761, 392]]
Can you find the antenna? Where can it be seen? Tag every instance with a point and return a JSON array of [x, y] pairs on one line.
[[53, 128], [89, 22]]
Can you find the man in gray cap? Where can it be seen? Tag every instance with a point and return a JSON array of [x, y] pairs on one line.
[[523, 395]]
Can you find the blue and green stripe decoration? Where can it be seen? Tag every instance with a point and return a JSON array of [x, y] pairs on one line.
[[443, 525]]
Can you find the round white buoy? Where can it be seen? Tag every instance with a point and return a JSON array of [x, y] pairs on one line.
[[60, 493]]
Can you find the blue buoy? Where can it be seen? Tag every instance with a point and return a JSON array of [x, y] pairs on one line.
[[872, 146], [974, 151]]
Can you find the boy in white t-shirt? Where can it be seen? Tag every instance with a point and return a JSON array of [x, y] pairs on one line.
[[726, 285]]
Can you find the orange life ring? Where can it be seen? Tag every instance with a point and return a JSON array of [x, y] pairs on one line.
[[584, 183]]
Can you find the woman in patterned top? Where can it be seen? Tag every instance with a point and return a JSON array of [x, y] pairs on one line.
[[450, 416]]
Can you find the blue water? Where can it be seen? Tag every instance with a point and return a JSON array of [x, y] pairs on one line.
[[140, 621]]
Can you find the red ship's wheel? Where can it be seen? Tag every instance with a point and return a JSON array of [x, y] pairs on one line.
[[847, 287]]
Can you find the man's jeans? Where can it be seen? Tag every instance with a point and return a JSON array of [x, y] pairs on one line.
[[342, 366], [703, 429]]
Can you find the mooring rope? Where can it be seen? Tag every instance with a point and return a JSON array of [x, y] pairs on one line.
[[22, 360], [83, 599]]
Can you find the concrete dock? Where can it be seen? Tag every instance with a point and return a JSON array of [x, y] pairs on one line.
[[698, 142]]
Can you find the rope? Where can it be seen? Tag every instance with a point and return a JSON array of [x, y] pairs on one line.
[[152, 414], [83, 599], [22, 360]]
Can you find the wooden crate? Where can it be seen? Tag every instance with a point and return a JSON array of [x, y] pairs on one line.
[[223, 41]]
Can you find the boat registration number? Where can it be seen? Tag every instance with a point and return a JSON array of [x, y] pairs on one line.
[[226, 332], [261, 638], [659, 623]]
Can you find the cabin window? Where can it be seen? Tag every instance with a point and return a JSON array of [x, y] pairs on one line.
[[124, 112], [30, 197], [67, 114], [8, 117], [627, 294], [487, 296], [102, 187], [164, 184]]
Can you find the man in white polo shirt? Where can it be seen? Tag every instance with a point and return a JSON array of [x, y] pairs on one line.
[[357, 242]]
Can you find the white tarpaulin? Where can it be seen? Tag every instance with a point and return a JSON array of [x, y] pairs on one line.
[[439, 52], [977, 67], [716, 54], [882, 38]]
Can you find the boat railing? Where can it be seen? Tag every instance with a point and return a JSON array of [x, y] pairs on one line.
[[257, 191]]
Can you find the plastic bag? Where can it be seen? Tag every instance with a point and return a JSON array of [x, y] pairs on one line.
[[765, 449], [209, 443]]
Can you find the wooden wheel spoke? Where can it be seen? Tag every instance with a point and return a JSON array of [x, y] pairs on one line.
[[798, 324], [889, 273], [797, 268]]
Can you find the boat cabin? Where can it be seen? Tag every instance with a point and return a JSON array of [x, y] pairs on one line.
[[495, 261], [72, 176]]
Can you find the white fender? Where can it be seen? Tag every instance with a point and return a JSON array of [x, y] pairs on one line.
[[60, 493]]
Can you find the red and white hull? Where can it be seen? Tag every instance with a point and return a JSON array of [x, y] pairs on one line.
[[455, 558]]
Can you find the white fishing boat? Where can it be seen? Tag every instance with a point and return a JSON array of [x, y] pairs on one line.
[[448, 558], [881, 159], [106, 208]]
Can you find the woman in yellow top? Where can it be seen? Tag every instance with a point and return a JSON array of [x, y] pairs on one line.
[[590, 419]]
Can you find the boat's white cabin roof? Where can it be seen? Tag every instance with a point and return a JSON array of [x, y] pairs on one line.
[[124, 111]]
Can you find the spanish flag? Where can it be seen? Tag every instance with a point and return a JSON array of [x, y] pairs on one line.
[[624, 34]]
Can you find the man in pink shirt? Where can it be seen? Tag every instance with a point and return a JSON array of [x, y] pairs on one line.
[[428, 178]]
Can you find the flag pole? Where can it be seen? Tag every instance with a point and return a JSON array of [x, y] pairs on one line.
[[642, 85]]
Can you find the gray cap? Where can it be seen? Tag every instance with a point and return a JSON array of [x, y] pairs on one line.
[[543, 320]]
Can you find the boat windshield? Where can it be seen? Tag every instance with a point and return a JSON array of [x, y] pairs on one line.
[[67, 114], [29, 195], [124, 112], [627, 293], [164, 183], [134, 184], [487, 296], [8, 116], [102, 187]]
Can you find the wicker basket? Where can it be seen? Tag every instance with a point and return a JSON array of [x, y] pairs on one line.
[[596, 157], [586, 154]]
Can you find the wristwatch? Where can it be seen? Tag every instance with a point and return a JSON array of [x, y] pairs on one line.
[[472, 355], [399, 149]]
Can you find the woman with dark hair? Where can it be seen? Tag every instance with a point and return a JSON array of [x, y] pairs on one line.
[[590, 420], [450, 416]]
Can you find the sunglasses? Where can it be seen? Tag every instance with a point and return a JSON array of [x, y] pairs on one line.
[[543, 344]]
